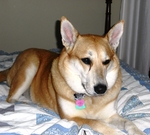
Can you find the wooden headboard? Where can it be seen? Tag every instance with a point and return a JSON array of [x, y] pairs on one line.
[[108, 16]]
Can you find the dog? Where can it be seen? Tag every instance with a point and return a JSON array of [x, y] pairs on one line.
[[81, 84]]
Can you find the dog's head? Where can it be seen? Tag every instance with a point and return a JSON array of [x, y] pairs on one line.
[[90, 64]]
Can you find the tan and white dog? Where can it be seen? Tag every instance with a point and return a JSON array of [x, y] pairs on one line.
[[81, 84]]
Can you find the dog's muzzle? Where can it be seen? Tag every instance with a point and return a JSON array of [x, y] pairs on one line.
[[100, 89]]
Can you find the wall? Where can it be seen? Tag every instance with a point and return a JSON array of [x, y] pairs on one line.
[[33, 23]]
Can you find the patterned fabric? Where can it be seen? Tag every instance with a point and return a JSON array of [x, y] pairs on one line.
[[24, 117], [134, 99]]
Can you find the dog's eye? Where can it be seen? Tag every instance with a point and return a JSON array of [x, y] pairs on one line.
[[86, 61], [106, 62]]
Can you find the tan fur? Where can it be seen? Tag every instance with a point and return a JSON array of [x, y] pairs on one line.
[[53, 79]]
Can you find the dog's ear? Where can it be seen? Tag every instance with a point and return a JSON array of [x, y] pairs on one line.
[[69, 33], [115, 34]]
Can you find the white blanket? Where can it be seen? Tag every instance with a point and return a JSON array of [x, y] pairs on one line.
[[28, 118]]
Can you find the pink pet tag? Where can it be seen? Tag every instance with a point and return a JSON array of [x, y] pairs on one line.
[[80, 104]]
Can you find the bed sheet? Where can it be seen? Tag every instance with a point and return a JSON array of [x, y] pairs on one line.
[[24, 117]]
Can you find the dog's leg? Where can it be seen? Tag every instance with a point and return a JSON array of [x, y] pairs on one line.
[[99, 126], [125, 124], [21, 82]]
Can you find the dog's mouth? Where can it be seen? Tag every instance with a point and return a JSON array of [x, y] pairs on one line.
[[86, 92]]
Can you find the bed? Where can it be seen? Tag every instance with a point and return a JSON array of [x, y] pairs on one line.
[[25, 117]]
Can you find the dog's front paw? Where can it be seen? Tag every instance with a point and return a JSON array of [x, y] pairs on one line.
[[114, 132], [120, 133], [135, 131]]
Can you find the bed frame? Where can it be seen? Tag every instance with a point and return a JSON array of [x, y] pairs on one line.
[[108, 16]]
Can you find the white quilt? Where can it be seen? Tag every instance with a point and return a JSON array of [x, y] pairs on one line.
[[27, 118]]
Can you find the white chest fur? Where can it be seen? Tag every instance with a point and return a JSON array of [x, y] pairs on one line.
[[90, 112]]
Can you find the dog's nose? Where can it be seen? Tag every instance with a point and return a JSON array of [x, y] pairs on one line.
[[100, 88]]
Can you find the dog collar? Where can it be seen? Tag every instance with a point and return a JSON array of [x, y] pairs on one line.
[[79, 101]]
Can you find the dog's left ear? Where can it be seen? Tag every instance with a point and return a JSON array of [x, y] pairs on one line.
[[115, 34], [69, 33]]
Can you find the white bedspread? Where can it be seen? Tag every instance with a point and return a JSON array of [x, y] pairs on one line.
[[28, 118]]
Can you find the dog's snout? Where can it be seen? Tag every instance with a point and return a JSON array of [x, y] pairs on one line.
[[100, 88]]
